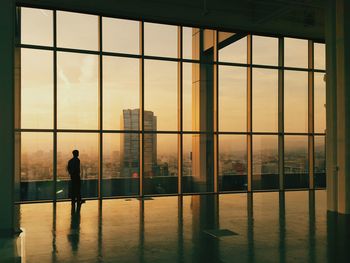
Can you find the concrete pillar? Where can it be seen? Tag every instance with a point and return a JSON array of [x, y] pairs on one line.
[[202, 114], [338, 106], [7, 30], [331, 110]]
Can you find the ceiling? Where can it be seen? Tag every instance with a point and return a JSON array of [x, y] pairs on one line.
[[295, 18]]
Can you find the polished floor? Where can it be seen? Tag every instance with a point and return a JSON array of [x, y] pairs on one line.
[[263, 227]]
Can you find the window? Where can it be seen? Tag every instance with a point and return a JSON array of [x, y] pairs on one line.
[[149, 119]]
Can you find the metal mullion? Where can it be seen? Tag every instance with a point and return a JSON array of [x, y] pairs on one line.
[[116, 54], [100, 163], [54, 106], [311, 114], [141, 109], [180, 109], [29, 46], [216, 116], [249, 114], [281, 113]]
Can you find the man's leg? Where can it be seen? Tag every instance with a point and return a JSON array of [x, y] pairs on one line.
[[79, 193], [75, 198], [71, 195]]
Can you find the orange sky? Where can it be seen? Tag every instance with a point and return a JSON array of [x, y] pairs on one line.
[[78, 77]]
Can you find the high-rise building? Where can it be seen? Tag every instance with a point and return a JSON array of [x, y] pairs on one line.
[[130, 143]]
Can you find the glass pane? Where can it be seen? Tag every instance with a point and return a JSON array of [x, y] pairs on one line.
[[77, 91], [265, 50], [161, 94], [120, 91], [79, 31], [319, 56], [235, 52], [197, 168], [265, 100], [160, 163], [320, 102], [36, 26], [187, 42], [320, 161], [120, 35], [36, 89], [296, 166], [232, 98], [160, 40], [296, 53], [121, 169], [265, 162], [87, 145], [232, 162], [190, 103], [36, 166], [295, 101]]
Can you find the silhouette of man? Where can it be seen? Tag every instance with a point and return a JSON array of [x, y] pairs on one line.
[[73, 168]]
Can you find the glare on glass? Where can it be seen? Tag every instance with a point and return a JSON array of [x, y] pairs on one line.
[[190, 101], [235, 51], [160, 163], [295, 53], [197, 171], [265, 162], [36, 26], [319, 56], [265, 100], [36, 89], [160, 40], [75, 30], [120, 35], [87, 145], [295, 101], [160, 95], [77, 91], [36, 166], [232, 98], [296, 166], [121, 164], [120, 93], [319, 102], [232, 162], [265, 50], [189, 43]]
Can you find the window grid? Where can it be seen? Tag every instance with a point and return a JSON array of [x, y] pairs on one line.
[[281, 113], [215, 133]]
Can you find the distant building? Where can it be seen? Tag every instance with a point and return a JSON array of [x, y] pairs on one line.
[[130, 144]]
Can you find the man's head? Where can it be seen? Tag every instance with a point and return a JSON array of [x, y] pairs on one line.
[[75, 153]]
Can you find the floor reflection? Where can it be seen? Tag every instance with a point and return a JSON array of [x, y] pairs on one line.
[[259, 227], [74, 234]]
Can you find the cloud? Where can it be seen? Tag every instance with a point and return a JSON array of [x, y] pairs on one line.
[[87, 69], [63, 77]]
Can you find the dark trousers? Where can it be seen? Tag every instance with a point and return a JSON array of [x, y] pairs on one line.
[[75, 190]]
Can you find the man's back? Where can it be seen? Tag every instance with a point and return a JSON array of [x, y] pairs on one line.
[[74, 167]]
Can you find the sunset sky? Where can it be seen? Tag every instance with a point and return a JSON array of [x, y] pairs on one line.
[[78, 75]]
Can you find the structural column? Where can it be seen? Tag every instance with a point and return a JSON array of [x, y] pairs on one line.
[[7, 29], [338, 106], [202, 111]]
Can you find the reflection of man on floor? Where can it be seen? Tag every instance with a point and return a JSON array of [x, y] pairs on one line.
[[73, 168]]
